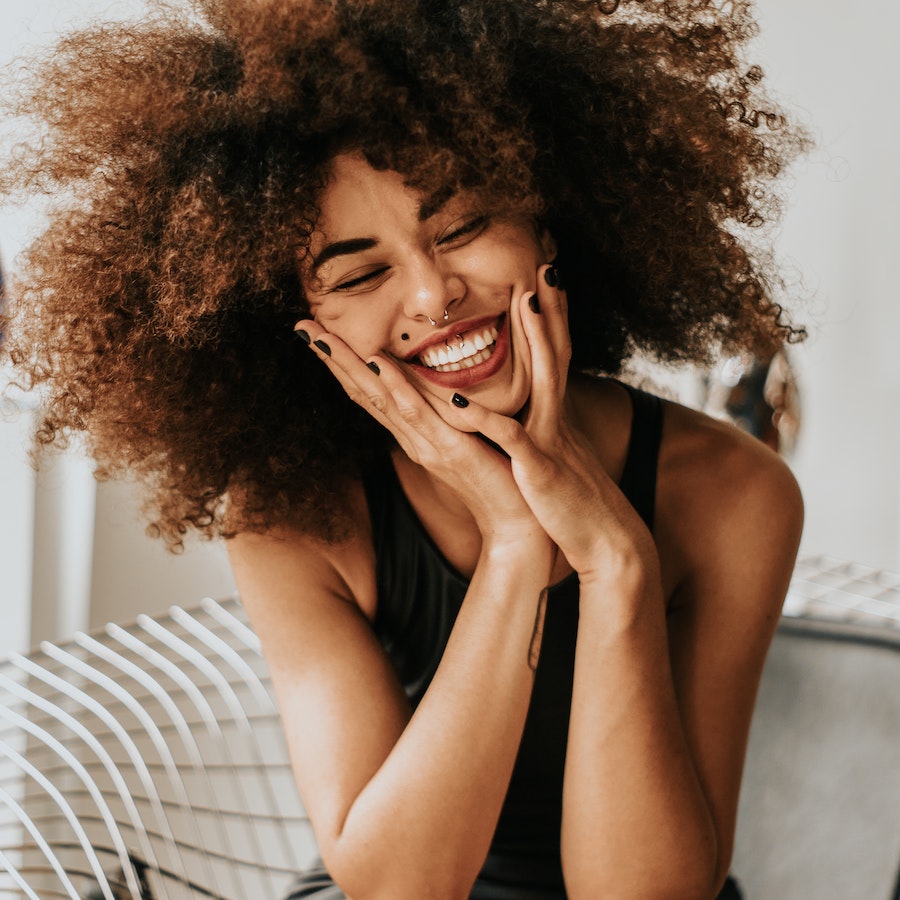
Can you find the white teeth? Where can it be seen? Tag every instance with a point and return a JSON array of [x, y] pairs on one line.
[[464, 353]]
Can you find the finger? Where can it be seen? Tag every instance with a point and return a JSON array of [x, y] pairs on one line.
[[382, 389], [555, 308], [358, 379], [504, 432], [547, 373]]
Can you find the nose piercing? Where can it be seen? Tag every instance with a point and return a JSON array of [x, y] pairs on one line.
[[446, 314], [430, 320]]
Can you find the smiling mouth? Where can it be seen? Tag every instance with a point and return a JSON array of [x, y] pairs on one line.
[[463, 351]]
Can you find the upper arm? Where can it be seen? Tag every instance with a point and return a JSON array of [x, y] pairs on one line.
[[734, 515], [342, 706]]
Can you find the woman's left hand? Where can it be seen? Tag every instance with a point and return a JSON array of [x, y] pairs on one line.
[[558, 473]]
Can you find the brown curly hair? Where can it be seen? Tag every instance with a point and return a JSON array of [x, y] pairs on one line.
[[155, 311]]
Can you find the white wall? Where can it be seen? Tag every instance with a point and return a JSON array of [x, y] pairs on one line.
[[17, 491], [838, 67]]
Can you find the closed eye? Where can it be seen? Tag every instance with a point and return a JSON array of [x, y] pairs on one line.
[[368, 279], [466, 231]]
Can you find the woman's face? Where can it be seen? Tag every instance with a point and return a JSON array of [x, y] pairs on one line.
[[382, 268]]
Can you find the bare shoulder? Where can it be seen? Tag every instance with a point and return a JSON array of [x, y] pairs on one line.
[[284, 557], [729, 510], [298, 589]]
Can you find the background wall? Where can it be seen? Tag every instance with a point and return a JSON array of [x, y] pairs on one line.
[[834, 67], [838, 67]]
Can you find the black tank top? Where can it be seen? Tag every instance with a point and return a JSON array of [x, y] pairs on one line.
[[419, 596]]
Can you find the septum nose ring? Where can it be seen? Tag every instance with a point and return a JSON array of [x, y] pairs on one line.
[[446, 317]]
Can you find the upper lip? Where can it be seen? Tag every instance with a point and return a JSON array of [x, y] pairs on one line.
[[443, 336]]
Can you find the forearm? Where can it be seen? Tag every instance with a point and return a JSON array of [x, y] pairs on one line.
[[422, 824], [636, 822]]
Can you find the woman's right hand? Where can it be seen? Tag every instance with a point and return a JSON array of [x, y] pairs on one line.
[[428, 432]]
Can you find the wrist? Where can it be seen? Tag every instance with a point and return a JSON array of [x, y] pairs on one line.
[[521, 550], [626, 583]]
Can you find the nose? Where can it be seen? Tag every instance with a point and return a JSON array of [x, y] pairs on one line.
[[432, 291]]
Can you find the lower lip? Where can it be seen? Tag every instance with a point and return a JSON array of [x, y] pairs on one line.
[[464, 378]]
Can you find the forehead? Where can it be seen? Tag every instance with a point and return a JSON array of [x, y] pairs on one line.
[[359, 194]]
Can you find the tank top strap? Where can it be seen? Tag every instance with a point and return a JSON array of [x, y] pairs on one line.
[[638, 481]]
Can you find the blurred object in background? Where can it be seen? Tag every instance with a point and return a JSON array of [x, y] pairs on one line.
[[759, 396]]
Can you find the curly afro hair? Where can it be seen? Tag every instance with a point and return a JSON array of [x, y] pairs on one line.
[[155, 312]]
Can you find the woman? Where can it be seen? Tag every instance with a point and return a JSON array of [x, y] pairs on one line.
[[338, 280]]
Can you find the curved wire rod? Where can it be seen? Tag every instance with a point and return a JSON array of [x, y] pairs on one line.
[[225, 690], [91, 673], [164, 664], [171, 708], [241, 815], [227, 618], [89, 783], [102, 849], [229, 654], [113, 724], [250, 678], [43, 846], [123, 792], [18, 879], [70, 817], [193, 656], [141, 867]]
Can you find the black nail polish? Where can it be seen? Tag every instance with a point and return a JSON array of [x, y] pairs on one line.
[[374, 367], [551, 276], [302, 335], [533, 304], [323, 347], [460, 401]]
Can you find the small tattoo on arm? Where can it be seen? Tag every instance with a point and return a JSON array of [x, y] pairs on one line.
[[534, 648]]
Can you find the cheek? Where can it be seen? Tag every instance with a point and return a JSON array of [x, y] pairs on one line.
[[362, 329]]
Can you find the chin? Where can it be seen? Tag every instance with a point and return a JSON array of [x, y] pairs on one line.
[[504, 402]]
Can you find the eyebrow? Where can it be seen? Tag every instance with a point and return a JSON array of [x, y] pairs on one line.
[[343, 248]]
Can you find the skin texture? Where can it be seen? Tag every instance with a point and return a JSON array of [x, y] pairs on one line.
[[673, 628]]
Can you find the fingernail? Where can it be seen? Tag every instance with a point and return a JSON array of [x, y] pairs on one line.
[[302, 335], [323, 347], [374, 367], [533, 304], [460, 401], [551, 276]]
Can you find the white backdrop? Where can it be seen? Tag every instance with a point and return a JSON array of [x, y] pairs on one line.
[[837, 69]]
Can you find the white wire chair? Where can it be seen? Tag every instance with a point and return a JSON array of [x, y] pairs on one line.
[[148, 762]]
